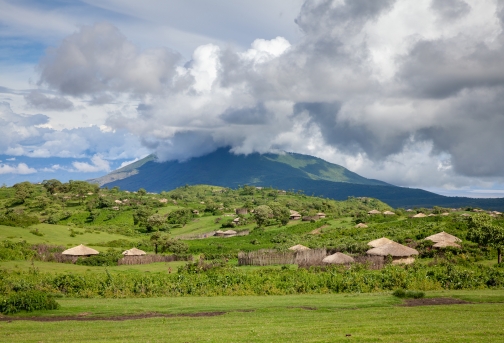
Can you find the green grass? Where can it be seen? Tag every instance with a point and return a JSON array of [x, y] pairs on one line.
[[53, 267], [56, 235], [366, 317]]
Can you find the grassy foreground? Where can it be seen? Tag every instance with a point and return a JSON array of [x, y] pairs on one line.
[[306, 318]]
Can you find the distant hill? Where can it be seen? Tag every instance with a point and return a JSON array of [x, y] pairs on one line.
[[287, 171]]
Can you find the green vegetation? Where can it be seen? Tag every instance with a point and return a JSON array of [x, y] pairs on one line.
[[320, 318], [28, 301]]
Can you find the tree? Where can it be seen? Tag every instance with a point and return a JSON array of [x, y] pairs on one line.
[[262, 213], [157, 240], [181, 216], [141, 215], [175, 246], [23, 191], [81, 188], [280, 213], [155, 221], [52, 186], [482, 230]]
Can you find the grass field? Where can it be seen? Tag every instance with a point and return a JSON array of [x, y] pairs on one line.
[[304, 318], [57, 235]]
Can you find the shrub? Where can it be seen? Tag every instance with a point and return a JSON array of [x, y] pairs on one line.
[[27, 301], [401, 293]]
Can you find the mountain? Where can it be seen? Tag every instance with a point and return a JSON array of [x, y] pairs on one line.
[[288, 171]]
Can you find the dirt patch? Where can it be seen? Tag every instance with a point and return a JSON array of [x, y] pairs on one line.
[[308, 308], [433, 301], [85, 317]]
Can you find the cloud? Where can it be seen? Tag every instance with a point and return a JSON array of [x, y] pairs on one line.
[[21, 168], [97, 164], [41, 101], [450, 9], [387, 87], [98, 58]]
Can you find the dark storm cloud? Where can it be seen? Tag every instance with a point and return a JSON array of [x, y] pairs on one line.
[[442, 68], [349, 137], [42, 102], [450, 9]]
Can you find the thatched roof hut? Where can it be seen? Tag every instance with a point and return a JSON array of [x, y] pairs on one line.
[[219, 233], [298, 247], [389, 213], [379, 242], [401, 254], [230, 233], [80, 250], [338, 258], [321, 215], [294, 215], [419, 215], [443, 237], [444, 244], [361, 225], [393, 249], [374, 212], [133, 252], [431, 215]]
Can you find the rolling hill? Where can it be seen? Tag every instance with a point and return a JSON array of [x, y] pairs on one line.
[[288, 171]]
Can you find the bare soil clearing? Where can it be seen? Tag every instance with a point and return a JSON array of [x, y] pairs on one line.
[[433, 301]]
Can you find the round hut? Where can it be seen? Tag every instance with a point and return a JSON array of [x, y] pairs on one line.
[[374, 212], [379, 242], [389, 213], [241, 211], [321, 215], [419, 215], [134, 252], [361, 225], [444, 244], [219, 233], [294, 215], [298, 247], [80, 251], [338, 258], [443, 237], [401, 254], [230, 233]]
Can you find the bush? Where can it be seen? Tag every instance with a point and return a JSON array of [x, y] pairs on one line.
[[27, 301], [401, 293]]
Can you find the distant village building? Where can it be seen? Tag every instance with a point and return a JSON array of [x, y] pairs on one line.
[[361, 225], [321, 215], [241, 211], [338, 258], [419, 215], [374, 212], [298, 247], [80, 251], [134, 252], [401, 254], [294, 215], [389, 213]]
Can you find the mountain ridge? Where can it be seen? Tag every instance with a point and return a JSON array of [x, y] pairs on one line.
[[282, 171]]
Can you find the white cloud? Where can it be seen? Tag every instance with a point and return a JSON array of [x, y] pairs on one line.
[[21, 168], [97, 164]]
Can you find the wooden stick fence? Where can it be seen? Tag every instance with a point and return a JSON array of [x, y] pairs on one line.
[[270, 257], [146, 259]]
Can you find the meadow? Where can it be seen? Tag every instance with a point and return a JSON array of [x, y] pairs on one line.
[[307, 318]]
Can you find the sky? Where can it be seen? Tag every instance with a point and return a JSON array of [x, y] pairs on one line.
[[408, 92]]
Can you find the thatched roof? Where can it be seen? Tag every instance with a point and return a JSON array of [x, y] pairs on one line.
[[338, 258], [419, 215], [362, 225], [443, 236], [133, 252], [374, 212], [379, 242], [431, 215], [445, 214], [80, 250], [299, 247], [393, 249], [444, 244], [389, 213], [230, 232]]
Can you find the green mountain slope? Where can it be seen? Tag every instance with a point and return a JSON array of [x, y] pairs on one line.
[[282, 171]]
